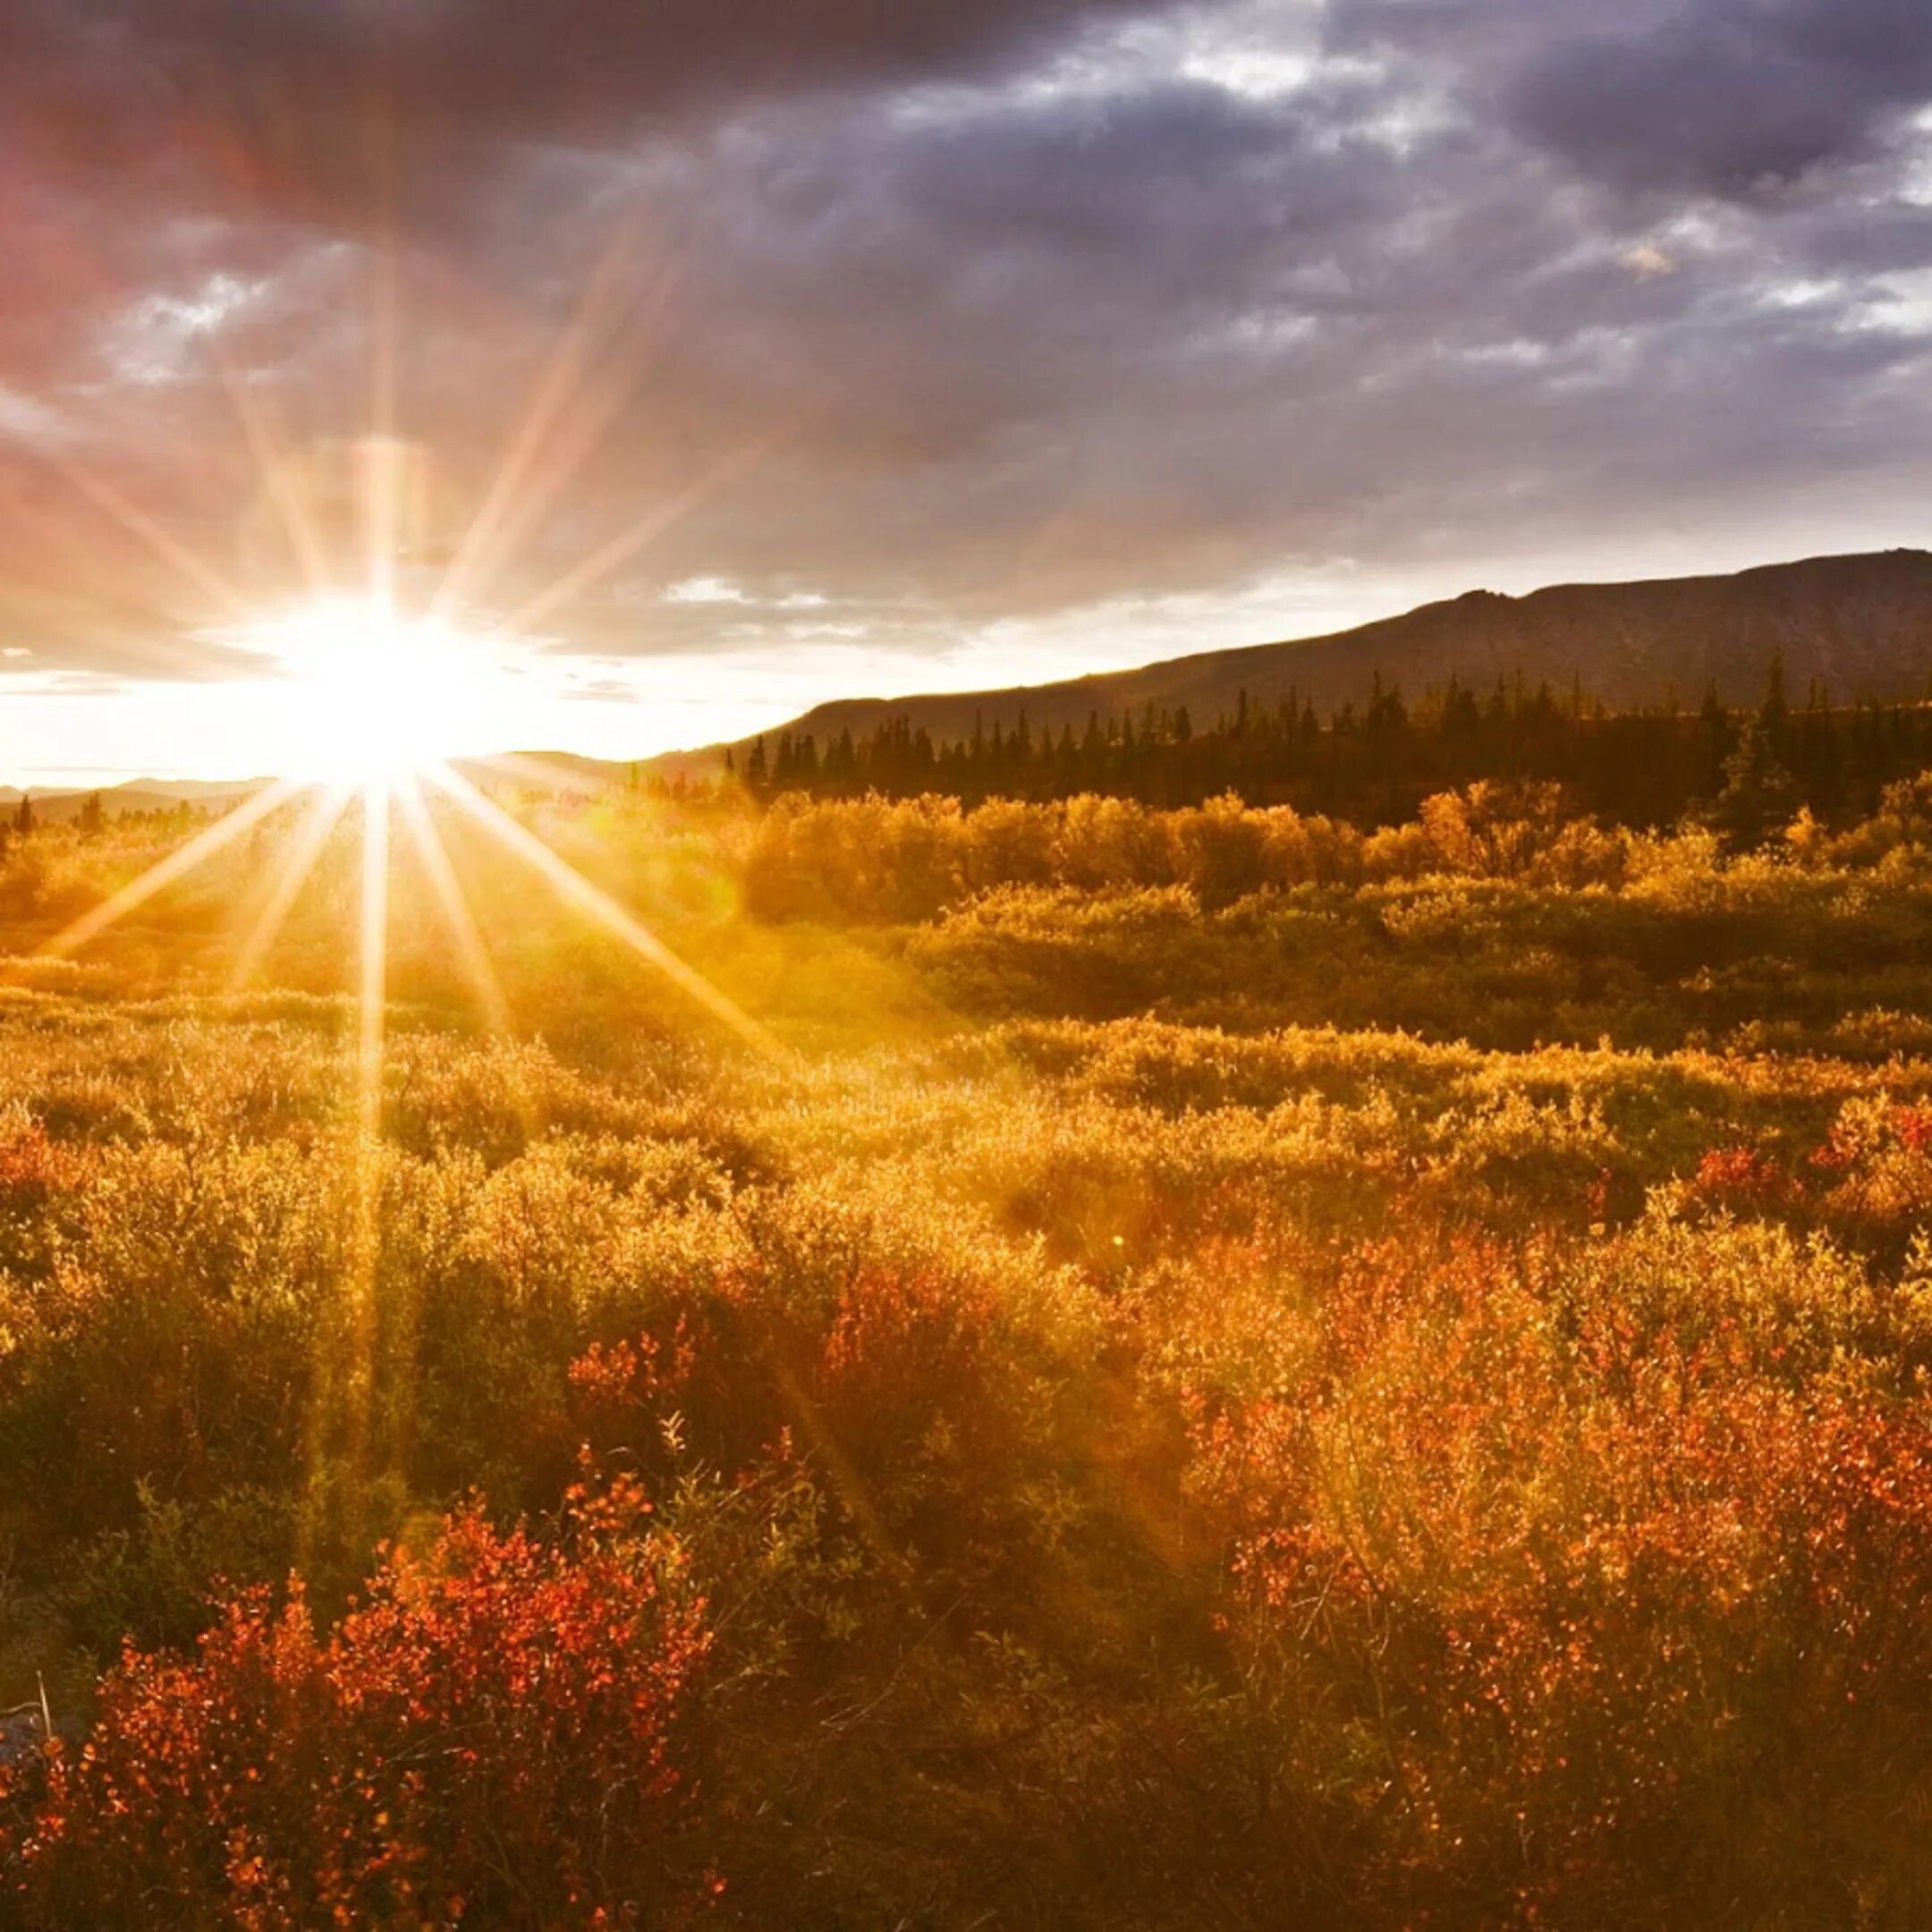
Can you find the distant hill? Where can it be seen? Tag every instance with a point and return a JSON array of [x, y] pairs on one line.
[[552, 771], [55, 804], [1861, 624], [542, 771]]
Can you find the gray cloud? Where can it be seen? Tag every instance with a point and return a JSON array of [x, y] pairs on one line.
[[1731, 97], [1052, 303], [323, 109]]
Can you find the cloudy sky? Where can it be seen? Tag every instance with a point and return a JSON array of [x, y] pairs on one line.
[[734, 356]]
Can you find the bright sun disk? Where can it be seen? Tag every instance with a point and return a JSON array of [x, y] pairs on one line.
[[365, 691]]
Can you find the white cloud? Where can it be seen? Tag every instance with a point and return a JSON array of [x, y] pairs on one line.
[[26, 420], [722, 590], [150, 342], [1902, 305], [1255, 73], [706, 590]]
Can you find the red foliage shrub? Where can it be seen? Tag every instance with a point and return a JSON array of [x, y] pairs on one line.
[[487, 1738], [907, 1345], [33, 1167], [1744, 1182], [38, 1177], [611, 1385], [874, 1371], [1874, 1170]]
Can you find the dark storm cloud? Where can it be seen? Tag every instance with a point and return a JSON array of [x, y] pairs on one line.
[[1045, 303], [318, 104], [1732, 98], [1718, 96], [1178, 330]]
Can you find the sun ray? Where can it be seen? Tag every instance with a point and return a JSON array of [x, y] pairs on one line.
[[168, 548], [178, 863], [579, 432], [340, 1429], [119, 630], [330, 802], [266, 447], [339, 1416], [503, 516], [379, 464], [574, 889], [68, 554], [428, 847], [473, 950], [379, 453], [626, 544], [372, 989]]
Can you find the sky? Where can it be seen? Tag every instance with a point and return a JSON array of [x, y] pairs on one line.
[[708, 361]]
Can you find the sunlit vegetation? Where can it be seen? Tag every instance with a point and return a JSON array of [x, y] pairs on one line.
[[1225, 1368]]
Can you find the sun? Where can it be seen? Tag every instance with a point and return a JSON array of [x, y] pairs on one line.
[[363, 691]]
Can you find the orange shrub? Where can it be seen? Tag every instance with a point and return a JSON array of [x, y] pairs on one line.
[[1614, 1587], [900, 1379]]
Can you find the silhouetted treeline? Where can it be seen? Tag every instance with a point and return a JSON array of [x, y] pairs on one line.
[[1749, 768]]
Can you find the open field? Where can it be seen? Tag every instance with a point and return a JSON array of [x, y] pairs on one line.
[[1192, 1370]]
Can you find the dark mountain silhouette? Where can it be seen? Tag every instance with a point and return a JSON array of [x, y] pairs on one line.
[[1862, 625]]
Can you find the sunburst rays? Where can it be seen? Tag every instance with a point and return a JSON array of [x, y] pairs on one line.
[[372, 986], [572, 404], [575, 890], [344, 1442], [177, 865], [569, 409], [627, 544], [383, 799], [324, 812], [267, 449], [368, 553], [186, 562], [458, 920]]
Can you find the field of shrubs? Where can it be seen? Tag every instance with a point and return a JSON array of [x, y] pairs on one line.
[[1217, 1370]]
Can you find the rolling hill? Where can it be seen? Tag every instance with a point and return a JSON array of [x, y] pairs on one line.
[[1861, 624], [56, 804]]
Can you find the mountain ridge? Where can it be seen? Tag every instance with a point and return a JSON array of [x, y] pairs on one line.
[[1860, 622]]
